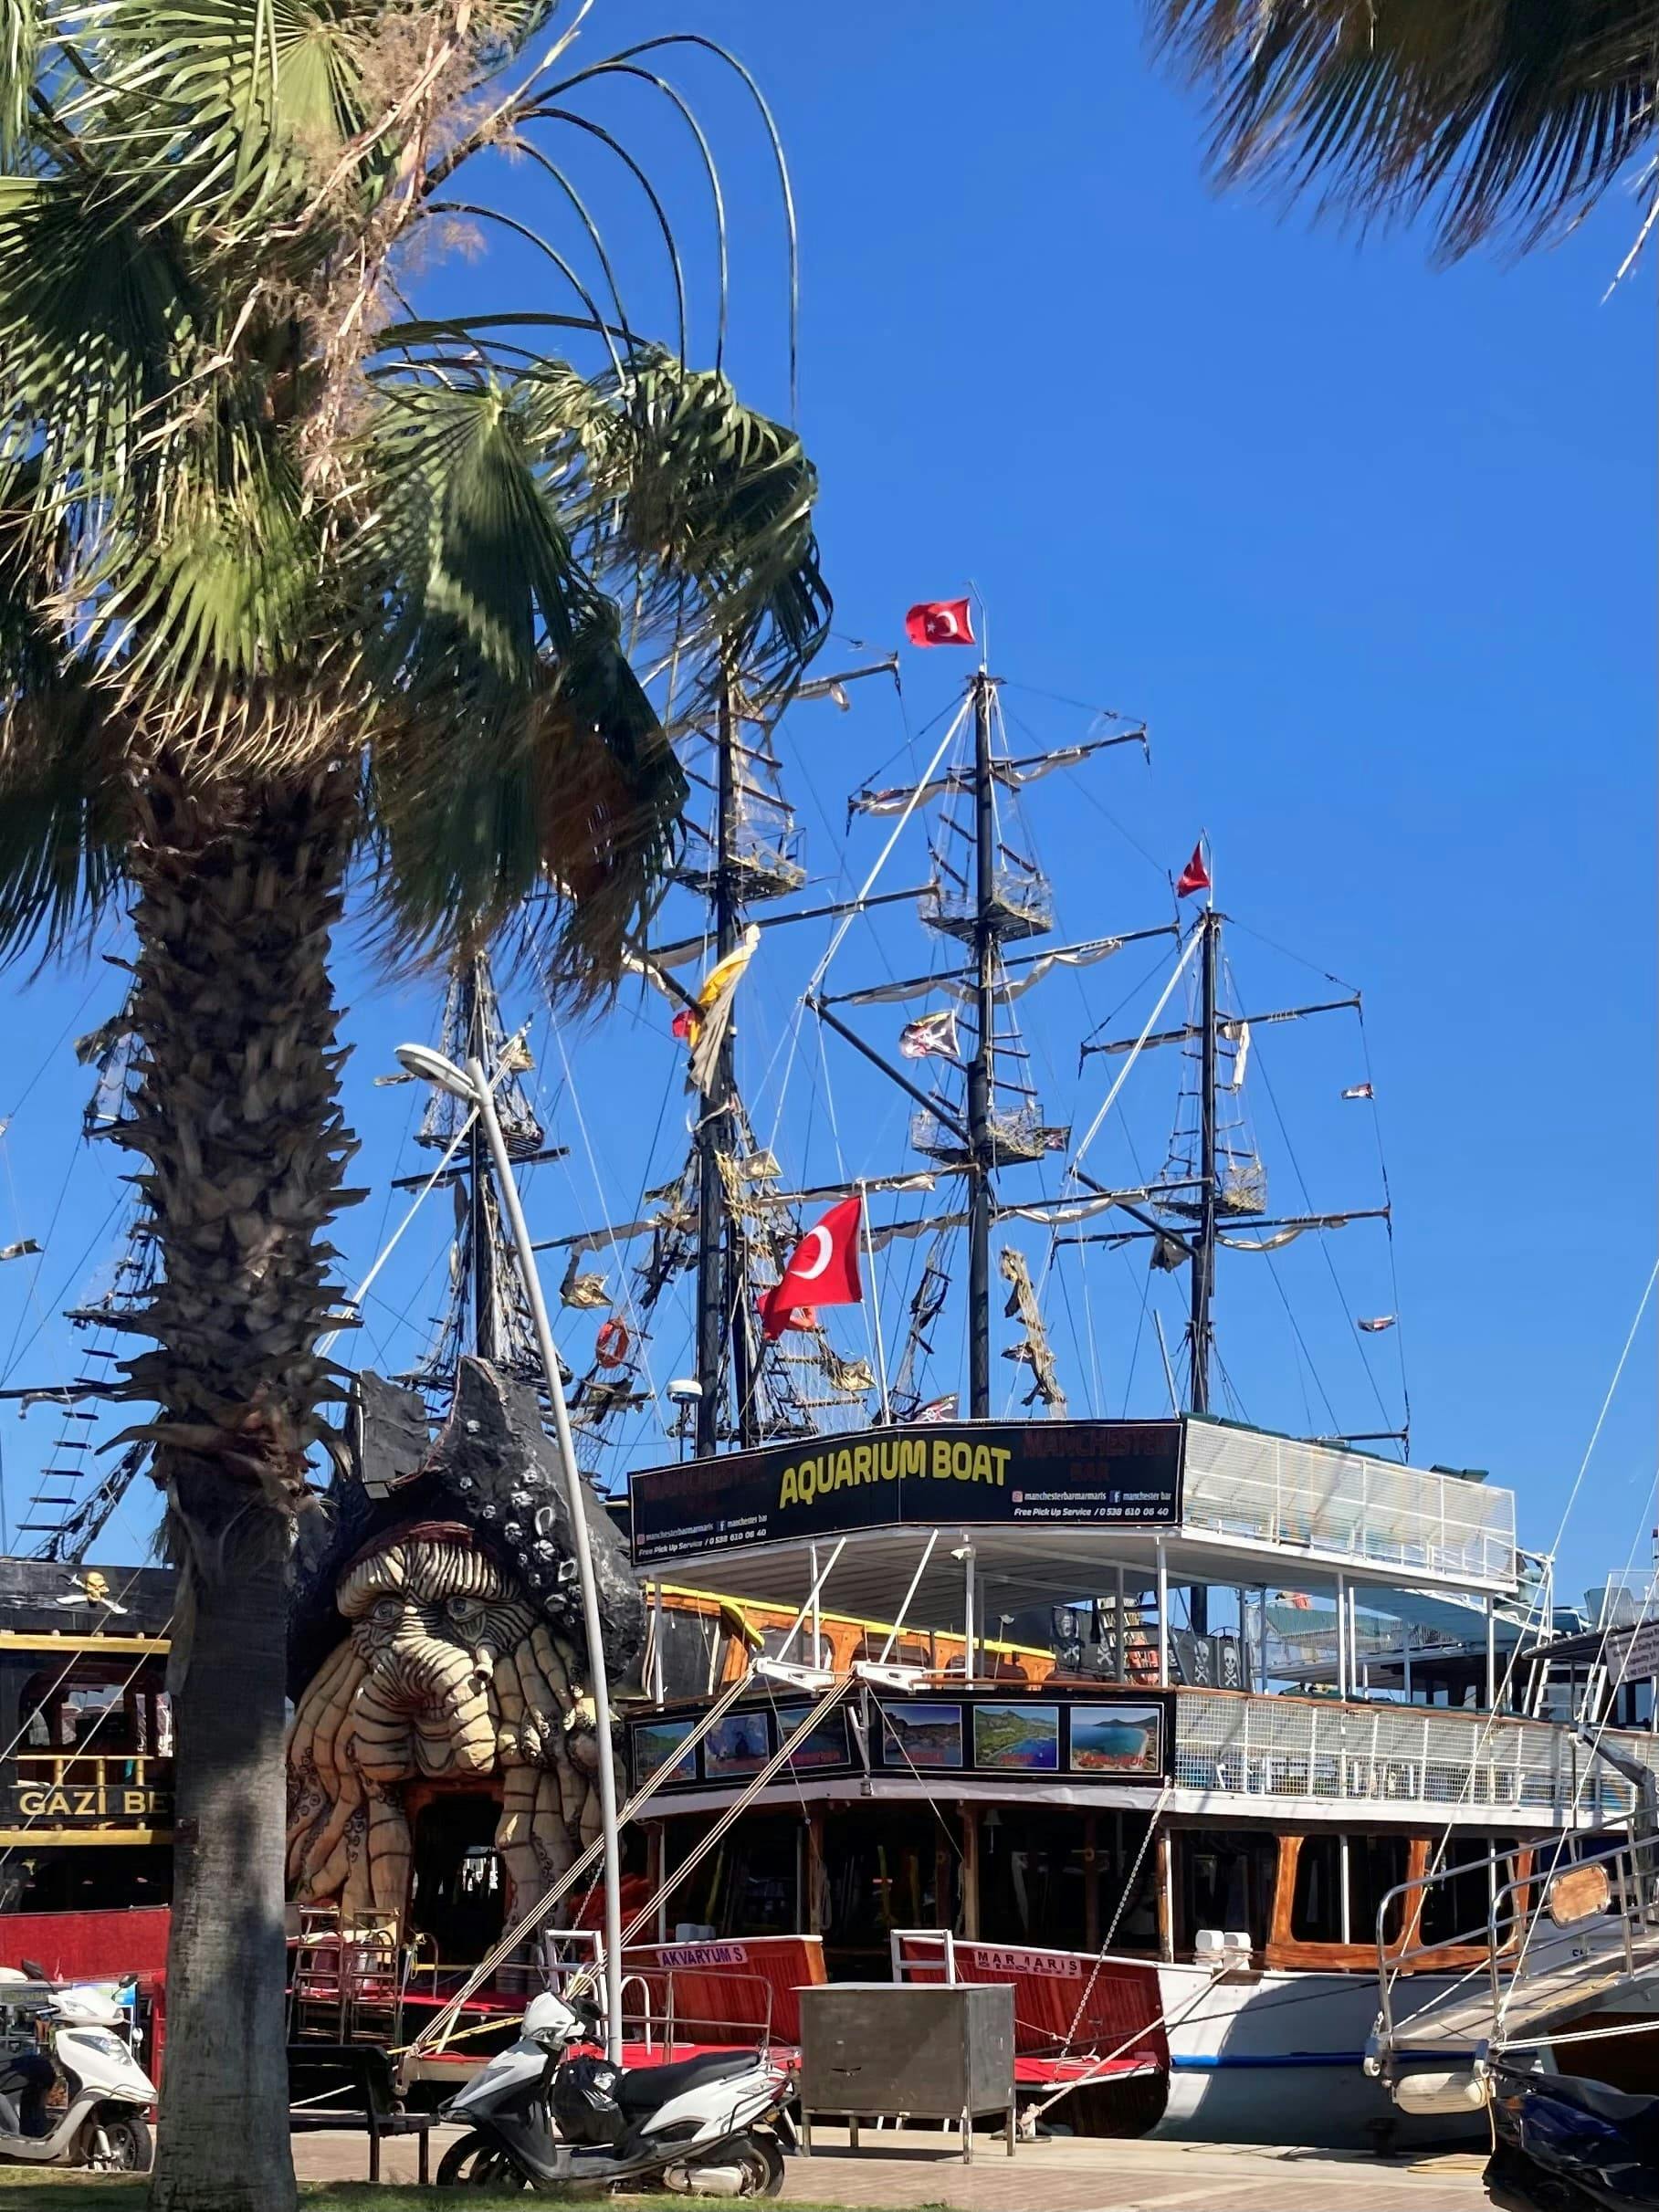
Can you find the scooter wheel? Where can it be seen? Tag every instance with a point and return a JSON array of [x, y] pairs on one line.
[[761, 2160], [128, 2145], [474, 2163]]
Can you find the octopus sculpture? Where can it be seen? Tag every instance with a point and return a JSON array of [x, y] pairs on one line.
[[461, 1662]]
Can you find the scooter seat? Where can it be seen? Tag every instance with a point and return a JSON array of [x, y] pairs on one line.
[[643, 2088]]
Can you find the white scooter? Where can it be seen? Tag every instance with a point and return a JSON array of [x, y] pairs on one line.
[[103, 2125], [704, 2126]]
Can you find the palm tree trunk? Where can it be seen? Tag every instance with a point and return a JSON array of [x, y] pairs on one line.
[[224, 2137], [238, 1123]]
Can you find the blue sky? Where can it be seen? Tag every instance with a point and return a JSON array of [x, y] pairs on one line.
[[1368, 544]]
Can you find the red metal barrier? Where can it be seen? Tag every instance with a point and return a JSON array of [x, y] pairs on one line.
[[716, 1984], [89, 1946], [1113, 2003]]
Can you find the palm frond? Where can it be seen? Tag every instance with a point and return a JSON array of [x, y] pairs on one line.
[[19, 43], [96, 320], [467, 553], [228, 116], [1494, 118], [518, 744], [60, 844], [713, 503]]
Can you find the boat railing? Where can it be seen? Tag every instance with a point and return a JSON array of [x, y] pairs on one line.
[[131, 1786], [1340, 1504], [659, 2011], [905, 1943], [570, 1953], [1249, 1745], [1567, 1920]]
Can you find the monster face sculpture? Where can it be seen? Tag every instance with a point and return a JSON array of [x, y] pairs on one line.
[[455, 1669]]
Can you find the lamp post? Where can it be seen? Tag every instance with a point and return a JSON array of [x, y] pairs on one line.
[[473, 1086]]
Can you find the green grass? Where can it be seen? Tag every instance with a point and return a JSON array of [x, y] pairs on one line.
[[47, 2192]]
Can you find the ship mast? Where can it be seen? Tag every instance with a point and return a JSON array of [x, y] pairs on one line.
[[1213, 1184], [1199, 1328], [995, 893], [981, 1137], [486, 1312], [480, 1238], [721, 1272]]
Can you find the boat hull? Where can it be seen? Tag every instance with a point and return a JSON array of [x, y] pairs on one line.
[[1278, 2057]]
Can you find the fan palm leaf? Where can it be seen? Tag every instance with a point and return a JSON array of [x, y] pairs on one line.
[[1497, 118], [298, 590]]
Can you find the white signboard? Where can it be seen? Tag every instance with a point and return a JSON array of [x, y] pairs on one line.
[[1638, 1659]]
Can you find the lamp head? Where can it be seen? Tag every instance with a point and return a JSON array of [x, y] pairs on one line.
[[433, 1067]]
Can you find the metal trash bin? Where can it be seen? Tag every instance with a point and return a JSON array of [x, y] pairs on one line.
[[915, 2050]]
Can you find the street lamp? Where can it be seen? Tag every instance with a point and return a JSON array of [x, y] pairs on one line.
[[472, 1085]]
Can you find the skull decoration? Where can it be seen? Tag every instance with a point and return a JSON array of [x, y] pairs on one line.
[[453, 1670]]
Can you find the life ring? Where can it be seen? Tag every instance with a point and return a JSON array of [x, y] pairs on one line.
[[610, 1345]]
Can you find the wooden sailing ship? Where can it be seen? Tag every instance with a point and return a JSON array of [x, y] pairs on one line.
[[1161, 1718]]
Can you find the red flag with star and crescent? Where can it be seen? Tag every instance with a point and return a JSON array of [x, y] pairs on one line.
[[940, 621], [824, 1271]]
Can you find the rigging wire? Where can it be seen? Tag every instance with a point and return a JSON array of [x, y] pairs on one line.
[[97, 1237], [629, 1442], [52, 1051], [1324, 1242], [1301, 959], [877, 1353], [1546, 1581], [624, 1275], [897, 831], [1388, 1224]]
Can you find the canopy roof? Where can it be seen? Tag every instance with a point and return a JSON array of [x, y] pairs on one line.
[[1052, 1510]]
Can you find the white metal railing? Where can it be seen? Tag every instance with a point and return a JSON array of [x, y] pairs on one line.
[[904, 1942], [1344, 1506], [1575, 1919], [1629, 1596], [1393, 1755]]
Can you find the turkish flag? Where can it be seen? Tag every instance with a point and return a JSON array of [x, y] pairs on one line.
[[824, 1271], [1194, 876], [940, 621]]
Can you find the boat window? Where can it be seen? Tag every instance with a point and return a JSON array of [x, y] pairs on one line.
[[692, 1646], [1226, 1880], [1043, 1881], [750, 1887], [759, 1891], [1375, 1866], [1455, 1908], [1597, 1842], [1316, 1907], [885, 1867], [907, 1651]]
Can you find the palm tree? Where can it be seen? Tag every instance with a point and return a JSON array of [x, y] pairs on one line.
[[302, 595], [1501, 120]]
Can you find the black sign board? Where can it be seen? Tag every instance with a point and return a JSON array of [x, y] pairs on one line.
[[1075, 1472]]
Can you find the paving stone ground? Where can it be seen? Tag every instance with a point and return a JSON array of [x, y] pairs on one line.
[[905, 2168]]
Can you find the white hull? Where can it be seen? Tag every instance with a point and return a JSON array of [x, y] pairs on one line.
[[1277, 2057]]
